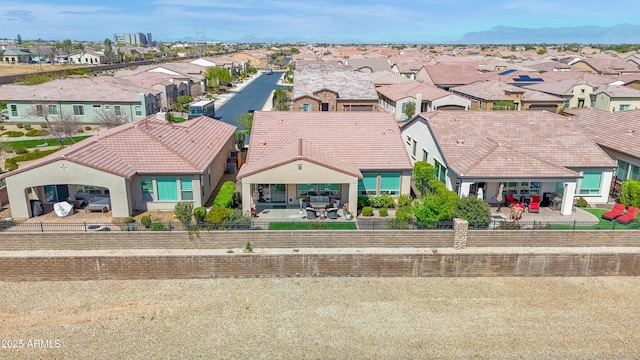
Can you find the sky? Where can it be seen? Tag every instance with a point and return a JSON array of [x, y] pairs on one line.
[[372, 21]]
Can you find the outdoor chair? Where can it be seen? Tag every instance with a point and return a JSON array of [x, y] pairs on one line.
[[534, 205], [311, 213], [629, 216], [617, 210], [511, 200], [332, 213]]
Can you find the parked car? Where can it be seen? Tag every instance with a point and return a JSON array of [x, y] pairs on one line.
[[270, 72]]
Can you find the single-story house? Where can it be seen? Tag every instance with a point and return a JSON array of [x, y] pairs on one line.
[[497, 95], [147, 165], [617, 133], [333, 156], [16, 56], [88, 56], [394, 98], [529, 153]]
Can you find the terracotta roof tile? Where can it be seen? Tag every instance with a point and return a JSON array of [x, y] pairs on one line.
[[345, 141]]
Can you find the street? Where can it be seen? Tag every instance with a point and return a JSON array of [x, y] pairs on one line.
[[251, 97]]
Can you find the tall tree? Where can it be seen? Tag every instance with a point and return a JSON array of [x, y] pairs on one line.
[[108, 49], [217, 76], [62, 124]]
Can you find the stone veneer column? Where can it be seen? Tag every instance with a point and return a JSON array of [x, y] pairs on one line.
[[460, 233]]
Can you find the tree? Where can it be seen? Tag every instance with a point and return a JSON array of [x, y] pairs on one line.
[[19, 39], [239, 138], [281, 99], [433, 208], [217, 76], [109, 118], [183, 210], [62, 124], [410, 109], [182, 103], [423, 173], [108, 49], [245, 121], [630, 193]]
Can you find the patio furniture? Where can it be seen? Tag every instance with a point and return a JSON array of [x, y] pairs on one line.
[[332, 213], [534, 205], [516, 212], [311, 213], [629, 216], [319, 201], [98, 204], [510, 200], [617, 210]]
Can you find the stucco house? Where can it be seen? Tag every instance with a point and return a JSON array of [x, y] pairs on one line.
[[333, 88], [605, 65], [16, 56], [394, 98], [616, 98], [88, 56], [617, 133], [147, 165], [497, 95], [83, 98], [256, 59], [530, 153], [334, 156], [575, 92]]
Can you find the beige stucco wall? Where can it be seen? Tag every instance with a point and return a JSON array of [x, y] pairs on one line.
[[315, 104], [65, 172]]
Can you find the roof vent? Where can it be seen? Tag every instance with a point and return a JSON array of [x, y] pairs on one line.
[[630, 132], [460, 142], [508, 159]]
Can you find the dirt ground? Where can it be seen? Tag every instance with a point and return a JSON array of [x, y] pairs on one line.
[[16, 69], [324, 318]]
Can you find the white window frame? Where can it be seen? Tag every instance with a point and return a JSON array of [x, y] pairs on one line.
[[78, 110]]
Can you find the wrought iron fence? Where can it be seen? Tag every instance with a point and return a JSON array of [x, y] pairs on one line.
[[359, 224]]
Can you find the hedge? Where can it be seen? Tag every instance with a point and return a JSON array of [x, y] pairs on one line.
[[225, 195]]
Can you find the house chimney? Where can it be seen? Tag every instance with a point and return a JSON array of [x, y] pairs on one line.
[[418, 104]]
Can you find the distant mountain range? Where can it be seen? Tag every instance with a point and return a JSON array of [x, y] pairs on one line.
[[590, 34], [619, 34]]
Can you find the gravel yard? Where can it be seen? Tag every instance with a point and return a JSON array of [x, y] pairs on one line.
[[324, 318]]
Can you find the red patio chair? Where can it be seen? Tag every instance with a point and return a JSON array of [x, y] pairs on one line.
[[629, 216], [534, 206], [511, 200], [617, 210]]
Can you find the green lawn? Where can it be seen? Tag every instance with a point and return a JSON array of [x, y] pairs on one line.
[[602, 225], [329, 225], [30, 144]]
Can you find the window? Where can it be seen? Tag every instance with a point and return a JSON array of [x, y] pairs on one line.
[[441, 171], [408, 140], [368, 185], [581, 91], [567, 103], [53, 109], [413, 148], [14, 110], [329, 189], [622, 171], [97, 105], [78, 110], [167, 189], [305, 107], [91, 190], [305, 190], [390, 183], [40, 110], [624, 107], [107, 107], [186, 188], [117, 110], [404, 107], [138, 109], [590, 183], [635, 173], [147, 188], [425, 155]]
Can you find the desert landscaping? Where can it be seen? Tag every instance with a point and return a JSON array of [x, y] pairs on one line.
[[325, 318]]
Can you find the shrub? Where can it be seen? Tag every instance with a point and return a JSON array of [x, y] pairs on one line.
[[225, 195], [581, 202], [21, 150], [367, 211], [27, 127], [630, 193], [405, 213], [423, 173], [33, 155], [248, 248], [404, 200], [13, 134], [200, 213], [11, 164], [157, 226], [128, 220], [20, 125], [218, 214], [2, 127], [475, 211], [35, 132], [145, 220], [384, 212], [88, 128], [509, 225], [44, 126], [183, 211], [363, 200], [435, 207], [397, 224]]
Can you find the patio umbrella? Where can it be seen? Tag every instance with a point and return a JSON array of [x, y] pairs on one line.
[[499, 195]]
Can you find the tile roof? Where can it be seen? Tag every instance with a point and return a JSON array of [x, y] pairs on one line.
[[517, 144], [560, 88], [618, 91], [84, 89], [495, 90], [400, 91], [148, 146], [349, 142], [377, 64], [618, 130], [609, 65], [387, 78], [349, 84], [453, 74]]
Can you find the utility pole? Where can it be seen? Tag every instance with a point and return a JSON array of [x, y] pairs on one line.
[[39, 58]]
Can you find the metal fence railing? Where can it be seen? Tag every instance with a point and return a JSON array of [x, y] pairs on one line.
[[359, 224]]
